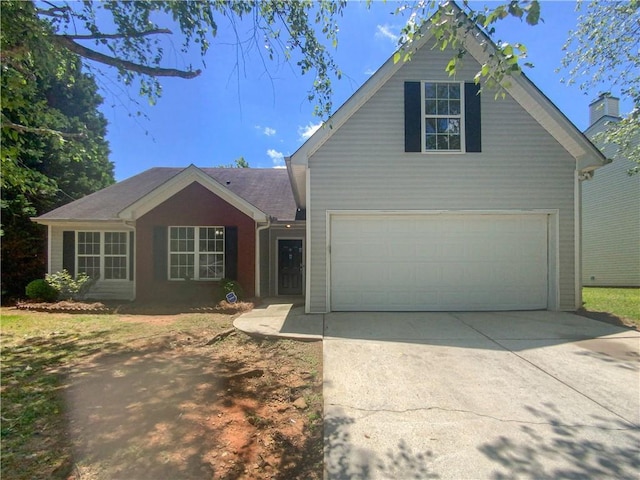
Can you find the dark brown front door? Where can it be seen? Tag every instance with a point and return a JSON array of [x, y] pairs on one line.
[[290, 267]]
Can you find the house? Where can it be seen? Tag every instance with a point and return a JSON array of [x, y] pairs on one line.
[[171, 234], [611, 211], [420, 193]]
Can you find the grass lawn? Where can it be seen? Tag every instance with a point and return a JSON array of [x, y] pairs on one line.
[[621, 302]]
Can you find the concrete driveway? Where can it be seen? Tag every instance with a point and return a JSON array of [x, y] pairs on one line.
[[480, 395]]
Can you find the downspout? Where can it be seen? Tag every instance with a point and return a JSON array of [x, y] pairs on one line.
[[580, 176], [131, 224], [49, 249], [258, 230]]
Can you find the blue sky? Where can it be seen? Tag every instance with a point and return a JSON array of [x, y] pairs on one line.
[[228, 112]]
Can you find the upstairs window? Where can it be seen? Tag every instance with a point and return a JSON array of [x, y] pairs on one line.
[[442, 116]]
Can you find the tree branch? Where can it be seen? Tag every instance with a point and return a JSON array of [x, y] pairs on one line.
[[39, 130], [99, 36], [54, 11], [85, 52]]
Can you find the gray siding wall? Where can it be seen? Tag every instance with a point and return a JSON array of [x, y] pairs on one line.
[[611, 226], [102, 289], [363, 166]]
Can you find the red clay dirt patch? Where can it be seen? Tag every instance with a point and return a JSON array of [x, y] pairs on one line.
[[178, 406]]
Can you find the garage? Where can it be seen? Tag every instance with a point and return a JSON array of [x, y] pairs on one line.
[[438, 262]]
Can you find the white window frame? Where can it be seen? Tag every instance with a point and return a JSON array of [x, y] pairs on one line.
[[196, 252], [102, 255], [424, 118]]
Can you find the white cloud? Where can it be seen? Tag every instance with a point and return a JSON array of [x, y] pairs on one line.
[[307, 131], [268, 131], [276, 157], [387, 32]]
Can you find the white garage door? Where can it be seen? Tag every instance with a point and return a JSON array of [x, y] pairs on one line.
[[443, 262]]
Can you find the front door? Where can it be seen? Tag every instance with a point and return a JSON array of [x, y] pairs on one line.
[[290, 267]]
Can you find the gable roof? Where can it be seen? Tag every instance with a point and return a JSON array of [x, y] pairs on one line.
[[259, 192], [480, 47]]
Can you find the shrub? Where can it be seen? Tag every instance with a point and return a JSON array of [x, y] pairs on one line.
[[41, 290], [69, 287], [228, 286]]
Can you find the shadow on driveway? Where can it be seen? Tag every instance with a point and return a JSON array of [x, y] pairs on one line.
[[480, 395]]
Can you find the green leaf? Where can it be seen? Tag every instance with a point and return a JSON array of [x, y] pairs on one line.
[[533, 13]]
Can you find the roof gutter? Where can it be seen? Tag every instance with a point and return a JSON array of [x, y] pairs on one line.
[[75, 221]]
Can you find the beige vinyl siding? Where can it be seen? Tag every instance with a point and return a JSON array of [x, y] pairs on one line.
[[363, 166], [102, 289], [611, 225]]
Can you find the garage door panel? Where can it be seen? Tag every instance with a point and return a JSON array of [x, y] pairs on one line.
[[438, 262]]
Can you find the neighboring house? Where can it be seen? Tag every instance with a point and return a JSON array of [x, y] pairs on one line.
[[610, 211], [419, 194]]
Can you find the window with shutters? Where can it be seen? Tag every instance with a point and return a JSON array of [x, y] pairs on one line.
[[442, 117], [103, 255], [196, 253], [442, 107]]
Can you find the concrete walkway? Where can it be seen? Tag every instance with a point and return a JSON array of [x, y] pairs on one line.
[[281, 317]]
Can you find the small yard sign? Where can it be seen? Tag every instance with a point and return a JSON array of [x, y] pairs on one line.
[[231, 297]]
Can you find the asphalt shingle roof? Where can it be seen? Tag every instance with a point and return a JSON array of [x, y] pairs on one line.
[[267, 189]]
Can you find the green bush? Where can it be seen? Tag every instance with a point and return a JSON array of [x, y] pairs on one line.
[[41, 290], [69, 287], [228, 286]]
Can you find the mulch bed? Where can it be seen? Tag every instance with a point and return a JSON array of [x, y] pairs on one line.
[[135, 308]]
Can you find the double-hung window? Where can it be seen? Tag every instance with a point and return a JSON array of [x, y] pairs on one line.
[[443, 116], [102, 255], [196, 253], [89, 253], [115, 255]]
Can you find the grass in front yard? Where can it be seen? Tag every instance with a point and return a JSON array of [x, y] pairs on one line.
[[36, 347], [89, 397], [622, 302]]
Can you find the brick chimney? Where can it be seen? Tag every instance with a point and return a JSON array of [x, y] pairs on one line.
[[605, 105]]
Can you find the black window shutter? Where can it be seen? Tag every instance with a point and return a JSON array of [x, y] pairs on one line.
[[69, 252], [131, 256], [472, 124], [412, 117], [231, 253], [160, 253]]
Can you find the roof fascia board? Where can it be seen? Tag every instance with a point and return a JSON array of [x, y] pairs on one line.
[[300, 158], [70, 222], [535, 102], [600, 124], [353, 104], [179, 182], [292, 180], [557, 124]]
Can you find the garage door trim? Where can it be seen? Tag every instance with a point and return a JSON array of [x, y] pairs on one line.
[[552, 240]]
